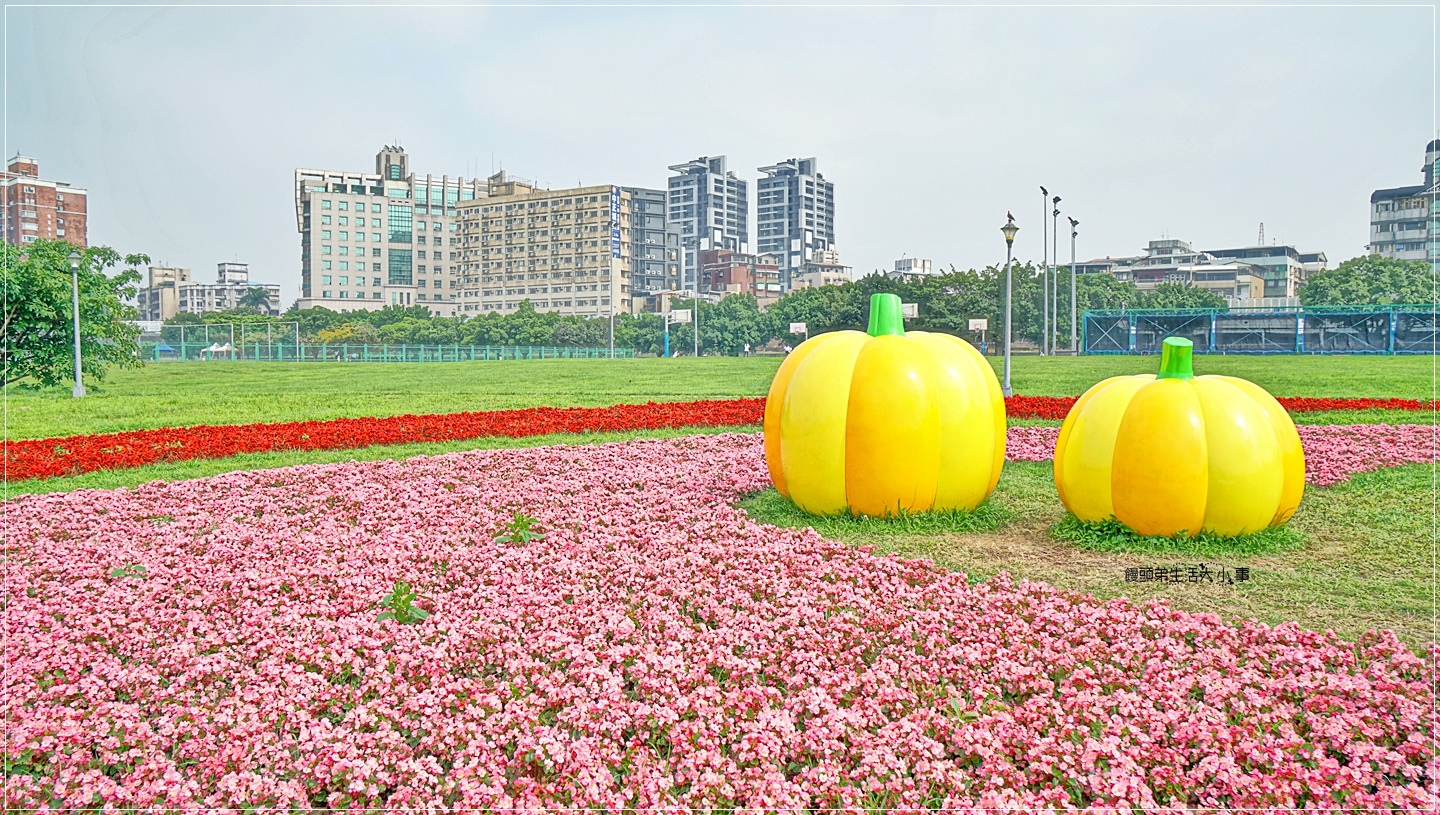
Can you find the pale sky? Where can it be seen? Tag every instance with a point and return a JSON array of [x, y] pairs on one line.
[[186, 124]]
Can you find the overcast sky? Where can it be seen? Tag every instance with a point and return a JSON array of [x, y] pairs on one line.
[[186, 124]]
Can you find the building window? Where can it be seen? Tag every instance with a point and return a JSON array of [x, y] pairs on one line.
[[344, 267], [325, 250], [376, 281], [343, 220], [344, 205], [345, 295], [344, 281], [325, 294], [324, 203], [324, 264], [401, 271], [324, 234], [324, 219], [400, 224], [394, 172]]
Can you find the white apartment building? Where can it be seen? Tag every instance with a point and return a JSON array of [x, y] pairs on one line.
[[911, 269], [709, 207], [794, 214], [1405, 221], [568, 251], [370, 240], [171, 291], [823, 269]]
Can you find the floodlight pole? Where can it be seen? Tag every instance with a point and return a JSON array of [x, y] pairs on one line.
[[74, 258]]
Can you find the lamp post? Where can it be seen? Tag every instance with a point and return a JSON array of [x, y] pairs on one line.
[[79, 389], [1009, 229], [1074, 306], [1044, 273], [1054, 322]]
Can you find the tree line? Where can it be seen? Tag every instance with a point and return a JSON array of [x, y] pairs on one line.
[[37, 333]]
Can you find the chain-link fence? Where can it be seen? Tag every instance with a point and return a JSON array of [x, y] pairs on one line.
[[1366, 329], [161, 351]]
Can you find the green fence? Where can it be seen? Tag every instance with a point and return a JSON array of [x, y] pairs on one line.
[[322, 352]]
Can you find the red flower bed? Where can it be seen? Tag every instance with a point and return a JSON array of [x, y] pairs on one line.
[[1055, 407], [72, 455]]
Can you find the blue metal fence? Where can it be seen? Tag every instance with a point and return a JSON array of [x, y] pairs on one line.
[[1364, 329]]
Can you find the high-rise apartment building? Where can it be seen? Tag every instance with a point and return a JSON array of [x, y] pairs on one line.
[[794, 214], [570, 251], [370, 240], [710, 207], [36, 209], [1405, 221], [655, 256], [172, 291]]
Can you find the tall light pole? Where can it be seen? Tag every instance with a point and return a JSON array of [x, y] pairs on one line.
[[1074, 306], [1009, 229], [1055, 260], [79, 389], [1044, 274]]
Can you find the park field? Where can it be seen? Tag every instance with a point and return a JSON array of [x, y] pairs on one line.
[[185, 394]]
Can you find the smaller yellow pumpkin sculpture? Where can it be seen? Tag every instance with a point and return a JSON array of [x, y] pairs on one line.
[[1176, 453], [884, 421]]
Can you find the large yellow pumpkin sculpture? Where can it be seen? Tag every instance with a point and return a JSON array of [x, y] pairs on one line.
[[885, 421], [1177, 453]]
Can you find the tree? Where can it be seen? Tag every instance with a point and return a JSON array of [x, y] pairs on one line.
[[1371, 279], [358, 333], [37, 322], [256, 299], [1180, 295], [314, 320]]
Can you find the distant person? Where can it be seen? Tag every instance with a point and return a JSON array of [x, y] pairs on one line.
[[787, 349], [747, 349]]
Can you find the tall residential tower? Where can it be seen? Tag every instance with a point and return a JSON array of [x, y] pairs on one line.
[[711, 210], [794, 215]]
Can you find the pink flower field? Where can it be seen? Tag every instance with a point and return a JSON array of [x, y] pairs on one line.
[[215, 643]]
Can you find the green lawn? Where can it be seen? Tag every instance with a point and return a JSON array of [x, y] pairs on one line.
[[180, 394], [1362, 558]]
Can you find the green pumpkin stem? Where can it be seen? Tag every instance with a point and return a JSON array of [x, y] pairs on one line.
[[1175, 359], [886, 316]]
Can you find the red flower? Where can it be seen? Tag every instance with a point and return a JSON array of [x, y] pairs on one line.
[[72, 455]]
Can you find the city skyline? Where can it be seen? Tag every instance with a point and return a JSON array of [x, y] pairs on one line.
[[187, 125]]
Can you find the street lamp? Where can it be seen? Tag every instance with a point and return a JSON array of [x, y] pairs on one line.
[[1054, 321], [1044, 271], [1009, 229], [79, 389], [1074, 307]]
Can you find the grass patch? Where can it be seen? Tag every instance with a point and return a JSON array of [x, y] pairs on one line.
[[1113, 536], [772, 508], [1362, 559], [201, 468], [179, 394]]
